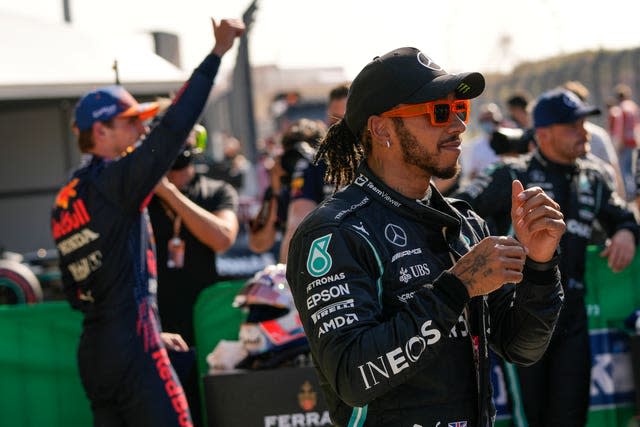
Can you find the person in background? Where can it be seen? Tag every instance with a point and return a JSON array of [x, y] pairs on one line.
[[600, 144], [308, 188], [614, 121], [101, 227], [336, 104], [518, 108], [297, 184], [636, 174], [234, 167], [624, 126], [397, 286], [479, 154], [295, 179], [555, 390], [270, 219], [193, 218]]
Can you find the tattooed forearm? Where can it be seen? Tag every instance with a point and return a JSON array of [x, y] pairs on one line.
[[490, 264]]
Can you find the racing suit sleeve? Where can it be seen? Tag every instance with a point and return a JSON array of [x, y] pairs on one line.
[[523, 316], [613, 213], [128, 181], [335, 277]]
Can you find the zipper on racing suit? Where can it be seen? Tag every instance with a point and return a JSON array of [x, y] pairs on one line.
[[474, 340]]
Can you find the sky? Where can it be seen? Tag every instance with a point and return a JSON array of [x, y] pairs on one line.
[[462, 35]]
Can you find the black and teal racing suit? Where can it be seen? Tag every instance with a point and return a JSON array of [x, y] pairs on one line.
[[395, 337]]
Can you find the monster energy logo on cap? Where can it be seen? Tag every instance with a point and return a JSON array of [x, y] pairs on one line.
[[463, 88]]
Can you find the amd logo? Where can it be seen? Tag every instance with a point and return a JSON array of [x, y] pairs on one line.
[[337, 323]]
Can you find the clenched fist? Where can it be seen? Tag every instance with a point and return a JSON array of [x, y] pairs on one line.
[[225, 33]]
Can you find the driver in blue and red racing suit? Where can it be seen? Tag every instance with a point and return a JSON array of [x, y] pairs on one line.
[[107, 257], [401, 291]]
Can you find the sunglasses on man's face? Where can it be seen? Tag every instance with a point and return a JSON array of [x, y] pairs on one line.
[[439, 111]]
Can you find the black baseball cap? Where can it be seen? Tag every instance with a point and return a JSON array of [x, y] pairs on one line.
[[185, 158], [560, 106], [403, 76]]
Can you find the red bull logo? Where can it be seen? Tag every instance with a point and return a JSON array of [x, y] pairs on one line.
[[67, 192], [70, 220], [173, 389]]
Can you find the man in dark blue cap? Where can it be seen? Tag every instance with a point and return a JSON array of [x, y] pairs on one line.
[[401, 291], [100, 224], [555, 390]]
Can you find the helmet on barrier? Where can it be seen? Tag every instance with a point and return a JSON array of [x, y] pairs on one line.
[[273, 323]]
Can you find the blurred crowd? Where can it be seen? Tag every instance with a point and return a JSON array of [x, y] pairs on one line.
[[499, 130]]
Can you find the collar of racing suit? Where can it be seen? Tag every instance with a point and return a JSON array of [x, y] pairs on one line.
[[439, 214], [552, 166], [438, 210]]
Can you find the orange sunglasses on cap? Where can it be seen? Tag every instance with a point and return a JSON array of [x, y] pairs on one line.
[[439, 111]]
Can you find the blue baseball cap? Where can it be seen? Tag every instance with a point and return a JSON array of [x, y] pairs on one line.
[[560, 106], [107, 102]]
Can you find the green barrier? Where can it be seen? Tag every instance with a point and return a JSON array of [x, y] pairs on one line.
[[40, 385], [611, 297], [214, 319]]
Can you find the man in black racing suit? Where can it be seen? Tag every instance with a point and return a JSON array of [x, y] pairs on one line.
[[107, 257], [400, 291], [555, 391]]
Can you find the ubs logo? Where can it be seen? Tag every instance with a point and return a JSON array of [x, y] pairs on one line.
[[428, 62], [395, 235]]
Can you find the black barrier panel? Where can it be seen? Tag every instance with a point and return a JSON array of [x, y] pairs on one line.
[[269, 398]]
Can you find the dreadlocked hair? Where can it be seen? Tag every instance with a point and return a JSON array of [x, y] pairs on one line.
[[342, 153]]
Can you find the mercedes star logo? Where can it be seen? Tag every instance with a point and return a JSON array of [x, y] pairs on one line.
[[395, 235]]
